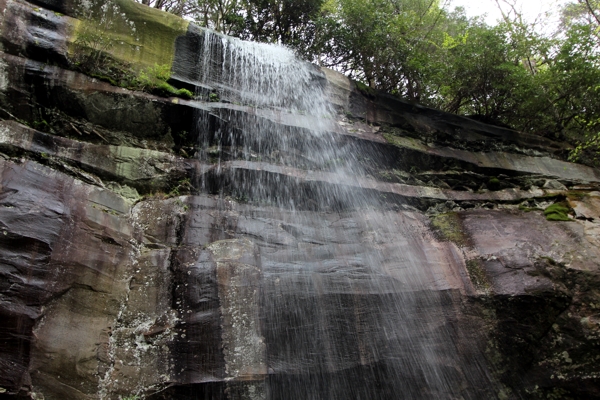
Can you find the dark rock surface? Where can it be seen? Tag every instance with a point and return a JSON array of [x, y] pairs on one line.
[[138, 259]]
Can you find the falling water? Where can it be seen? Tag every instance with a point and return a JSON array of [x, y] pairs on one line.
[[345, 301]]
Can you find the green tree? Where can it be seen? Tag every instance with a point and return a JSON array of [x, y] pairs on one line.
[[583, 12], [487, 76], [380, 42], [288, 22], [177, 7], [505, 74], [575, 87], [225, 16]]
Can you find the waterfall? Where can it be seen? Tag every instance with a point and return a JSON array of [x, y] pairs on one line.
[[276, 112], [343, 302]]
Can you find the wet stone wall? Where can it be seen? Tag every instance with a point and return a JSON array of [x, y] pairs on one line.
[[281, 234]]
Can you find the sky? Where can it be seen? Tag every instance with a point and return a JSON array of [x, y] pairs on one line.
[[530, 9]]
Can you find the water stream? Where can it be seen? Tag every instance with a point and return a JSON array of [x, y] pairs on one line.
[[350, 297]]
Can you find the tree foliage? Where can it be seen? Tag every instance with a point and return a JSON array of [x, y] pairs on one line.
[[383, 43], [546, 84], [279, 21], [177, 7]]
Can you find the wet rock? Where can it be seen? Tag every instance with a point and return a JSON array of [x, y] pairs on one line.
[[416, 276], [553, 184], [65, 249], [140, 168]]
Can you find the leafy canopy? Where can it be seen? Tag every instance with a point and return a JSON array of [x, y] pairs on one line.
[[508, 74]]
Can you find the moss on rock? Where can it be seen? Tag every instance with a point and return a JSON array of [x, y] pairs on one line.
[[557, 212], [477, 275], [450, 228], [364, 89], [129, 32], [493, 183]]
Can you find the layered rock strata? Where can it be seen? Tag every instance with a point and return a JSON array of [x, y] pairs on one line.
[[132, 265]]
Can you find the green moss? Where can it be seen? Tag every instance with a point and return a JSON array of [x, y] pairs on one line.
[[557, 217], [154, 80], [449, 226], [106, 78], [364, 89], [392, 139], [129, 32], [558, 212], [404, 142], [493, 183], [129, 193], [148, 79], [556, 208], [577, 195], [129, 45], [524, 208], [477, 275], [184, 93]]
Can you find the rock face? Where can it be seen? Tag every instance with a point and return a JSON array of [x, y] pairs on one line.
[[156, 247]]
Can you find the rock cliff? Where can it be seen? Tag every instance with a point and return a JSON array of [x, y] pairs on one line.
[[150, 246]]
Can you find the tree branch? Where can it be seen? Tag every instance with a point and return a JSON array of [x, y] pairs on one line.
[[591, 10]]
